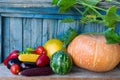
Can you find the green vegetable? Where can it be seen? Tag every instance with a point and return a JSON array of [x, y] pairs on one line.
[[111, 36], [91, 12], [69, 35], [111, 18], [29, 49], [61, 62]]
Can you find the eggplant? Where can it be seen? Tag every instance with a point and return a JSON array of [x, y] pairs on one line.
[[39, 71], [13, 61], [28, 65]]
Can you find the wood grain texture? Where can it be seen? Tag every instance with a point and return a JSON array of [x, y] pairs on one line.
[[76, 73], [1, 39], [38, 3], [117, 29], [92, 27], [36, 32], [6, 37], [23, 1], [15, 34], [26, 33], [48, 78], [38, 15], [45, 33]]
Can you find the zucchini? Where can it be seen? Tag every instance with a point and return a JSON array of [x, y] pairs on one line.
[[39, 71]]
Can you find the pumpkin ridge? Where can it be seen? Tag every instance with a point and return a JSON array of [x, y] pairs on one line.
[[95, 54]]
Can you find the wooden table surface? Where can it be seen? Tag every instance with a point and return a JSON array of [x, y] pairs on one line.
[[75, 74]]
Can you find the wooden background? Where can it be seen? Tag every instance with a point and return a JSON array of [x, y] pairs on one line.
[[29, 23]]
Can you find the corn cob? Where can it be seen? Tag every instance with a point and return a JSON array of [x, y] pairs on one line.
[[28, 57]]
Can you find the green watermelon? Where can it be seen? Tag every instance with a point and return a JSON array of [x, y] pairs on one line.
[[61, 62]]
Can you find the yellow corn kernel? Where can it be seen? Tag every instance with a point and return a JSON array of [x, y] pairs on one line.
[[28, 57]]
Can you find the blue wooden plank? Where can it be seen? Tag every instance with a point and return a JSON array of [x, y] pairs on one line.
[[36, 34], [53, 26], [78, 25], [60, 30], [26, 33], [1, 39], [68, 25], [6, 37], [63, 27], [15, 34], [45, 16], [39, 10], [23, 1], [92, 27], [45, 31], [117, 29], [49, 29]]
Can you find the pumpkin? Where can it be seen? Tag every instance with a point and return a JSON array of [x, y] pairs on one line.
[[91, 52]]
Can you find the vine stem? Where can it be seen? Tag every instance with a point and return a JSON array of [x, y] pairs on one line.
[[116, 2], [91, 7], [100, 8], [78, 10]]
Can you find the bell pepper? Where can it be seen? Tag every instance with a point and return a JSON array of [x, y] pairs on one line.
[[13, 54]]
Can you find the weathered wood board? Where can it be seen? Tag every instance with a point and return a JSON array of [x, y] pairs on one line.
[[76, 73], [0, 39]]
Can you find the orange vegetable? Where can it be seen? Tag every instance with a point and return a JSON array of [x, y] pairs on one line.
[[91, 52]]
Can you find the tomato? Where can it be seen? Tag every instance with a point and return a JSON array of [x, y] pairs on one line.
[[15, 69], [40, 50]]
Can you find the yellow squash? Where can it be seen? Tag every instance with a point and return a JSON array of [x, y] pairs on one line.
[[52, 46]]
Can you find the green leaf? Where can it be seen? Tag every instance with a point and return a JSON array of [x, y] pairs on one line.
[[64, 5], [111, 17], [111, 36], [69, 35], [68, 20], [54, 2]]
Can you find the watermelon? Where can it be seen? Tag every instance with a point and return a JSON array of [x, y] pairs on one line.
[[61, 62]]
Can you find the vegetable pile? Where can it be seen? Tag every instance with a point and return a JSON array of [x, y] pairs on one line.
[[29, 63], [98, 52], [44, 60]]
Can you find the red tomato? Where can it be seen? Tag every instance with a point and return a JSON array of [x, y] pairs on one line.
[[40, 50], [15, 69]]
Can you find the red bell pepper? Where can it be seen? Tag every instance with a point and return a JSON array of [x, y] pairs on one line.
[[13, 54]]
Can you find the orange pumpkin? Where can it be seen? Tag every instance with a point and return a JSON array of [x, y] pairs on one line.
[[91, 52]]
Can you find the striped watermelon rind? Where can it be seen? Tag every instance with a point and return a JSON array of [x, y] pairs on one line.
[[61, 62]]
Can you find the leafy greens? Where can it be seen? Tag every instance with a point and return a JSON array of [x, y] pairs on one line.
[[91, 12]]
